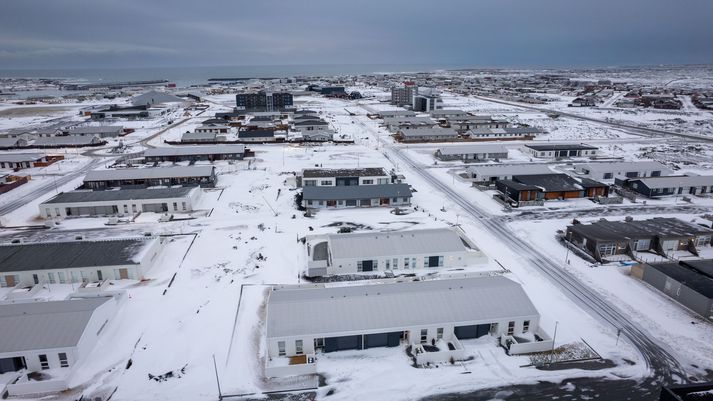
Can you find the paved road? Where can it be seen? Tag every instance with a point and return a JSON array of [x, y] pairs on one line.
[[632, 129], [18, 202]]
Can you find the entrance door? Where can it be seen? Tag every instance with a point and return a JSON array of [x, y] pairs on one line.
[[10, 280], [12, 364], [124, 274], [331, 203], [100, 276], [385, 201], [367, 265]]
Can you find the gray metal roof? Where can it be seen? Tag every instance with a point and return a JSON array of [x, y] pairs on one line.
[[344, 172], [71, 254], [561, 146], [375, 244], [409, 121], [149, 172], [447, 112], [308, 123], [122, 194], [45, 325], [357, 192], [472, 149], [509, 169], [394, 306], [20, 157], [8, 142], [69, 140], [675, 181], [221, 149], [192, 136], [603, 167], [428, 132], [664, 227], [694, 274], [508, 131], [103, 129]]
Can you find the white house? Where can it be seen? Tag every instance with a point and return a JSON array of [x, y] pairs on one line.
[[390, 251], [343, 177], [613, 170], [22, 160], [101, 131], [344, 196], [427, 134], [77, 261], [489, 173], [122, 201], [51, 338], [212, 129], [560, 150], [504, 133], [304, 321], [396, 124]]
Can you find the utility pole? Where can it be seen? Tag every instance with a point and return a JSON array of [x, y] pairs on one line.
[[554, 337], [566, 257], [618, 334], [217, 380]]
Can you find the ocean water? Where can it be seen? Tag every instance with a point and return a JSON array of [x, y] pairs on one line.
[[185, 76]]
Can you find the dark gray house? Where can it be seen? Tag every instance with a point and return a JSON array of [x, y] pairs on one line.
[[605, 239], [194, 153], [669, 185], [688, 282], [203, 176]]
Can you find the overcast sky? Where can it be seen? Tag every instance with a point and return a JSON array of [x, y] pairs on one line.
[[494, 33]]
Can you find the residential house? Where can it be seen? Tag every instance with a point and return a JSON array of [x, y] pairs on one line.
[[195, 153], [664, 236], [490, 173], [654, 187], [472, 153], [120, 202], [387, 251], [49, 337], [212, 129], [201, 137], [12, 142], [69, 141], [304, 320], [426, 135], [102, 131], [612, 170], [337, 197], [396, 114], [343, 177], [562, 150], [77, 261], [396, 124], [470, 122], [537, 187], [257, 135], [203, 176], [504, 134], [688, 282], [18, 161]]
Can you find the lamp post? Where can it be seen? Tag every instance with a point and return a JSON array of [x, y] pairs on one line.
[[554, 337], [568, 239]]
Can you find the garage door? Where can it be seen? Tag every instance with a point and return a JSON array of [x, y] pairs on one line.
[[332, 344], [382, 340], [474, 331]]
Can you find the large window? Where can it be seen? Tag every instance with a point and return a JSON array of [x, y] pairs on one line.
[[281, 348], [439, 333], [607, 249], [525, 326], [367, 182], [511, 328], [424, 336], [299, 347], [309, 183]]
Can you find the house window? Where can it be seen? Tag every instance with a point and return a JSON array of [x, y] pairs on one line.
[[395, 263], [62, 278], [326, 182], [44, 363], [183, 205], [50, 278], [281, 348], [525, 326], [133, 208], [298, 347], [388, 264], [511, 328], [424, 336], [406, 263], [175, 206], [126, 209], [608, 176], [310, 183], [607, 249], [413, 263], [367, 182], [63, 361], [383, 181], [439, 333]]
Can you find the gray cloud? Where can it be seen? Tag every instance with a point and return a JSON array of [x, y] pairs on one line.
[[134, 33]]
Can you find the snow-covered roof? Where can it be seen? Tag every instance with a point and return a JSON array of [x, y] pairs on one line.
[[154, 97], [675, 181], [121, 194], [374, 244], [45, 325], [196, 150], [428, 132], [70, 140], [20, 157], [394, 306], [146, 173], [643, 165], [472, 149], [509, 169], [103, 129], [356, 192]]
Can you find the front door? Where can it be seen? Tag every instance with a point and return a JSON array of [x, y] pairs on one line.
[[124, 274], [384, 201], [367, 265], [331, 203], [10, 280]]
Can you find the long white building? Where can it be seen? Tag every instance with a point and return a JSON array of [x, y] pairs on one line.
[[613, 170], [390, 251], [303, 321], [77, 261], [120, 202]]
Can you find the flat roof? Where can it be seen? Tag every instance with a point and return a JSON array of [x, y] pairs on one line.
[[148, 172], [467, 149], [344, 172], [96, 129], [643, 165], [428, 132], [310, 122], [696, 274], [198, 135], [220, 149], [72, 254], [674, 181], [509, 169], [20, 157], [258, 133], [121, 194], [356, 192], [374, 244], [510, 130], [69, 140], [561, 146], [621, 230], [552, 182], [393, 306], [409, 121], [45, 325]]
